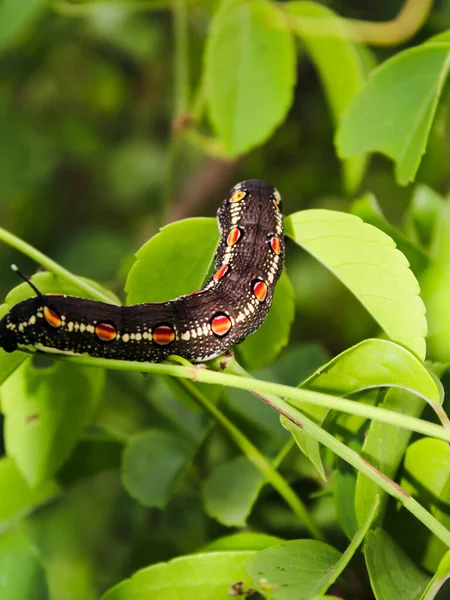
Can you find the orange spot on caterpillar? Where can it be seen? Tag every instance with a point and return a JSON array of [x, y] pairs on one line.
[[260, 290], [52, 317], [163, 335], [106, 332], [221, 272], [220, 324], [238, 196], [275, 244], [53, 294], [233, 236]]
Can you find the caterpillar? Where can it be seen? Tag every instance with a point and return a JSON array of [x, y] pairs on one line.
[[200, 326]]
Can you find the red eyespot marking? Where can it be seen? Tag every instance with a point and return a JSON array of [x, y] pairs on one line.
[[52, 317], [260, 290], [106, 332], [238, 196], [53, 294], [275, 244], [220, 324], [221, 272], [163, 335], [233, 236]]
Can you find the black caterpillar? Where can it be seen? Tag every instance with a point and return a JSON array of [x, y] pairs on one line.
[[200, 326]]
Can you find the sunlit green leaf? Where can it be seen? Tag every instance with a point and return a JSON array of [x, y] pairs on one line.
[[366, 261], [249, 73], [174, 262], [46, 411], [201, 576], [394, 112]]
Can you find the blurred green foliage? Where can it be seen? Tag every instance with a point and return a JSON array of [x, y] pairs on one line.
[[96, 153]]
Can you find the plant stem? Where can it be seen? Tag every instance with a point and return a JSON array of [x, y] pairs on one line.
[[293, 395], [52, 266], [269, 389], [357, 540], [409, 20], [259, 460]]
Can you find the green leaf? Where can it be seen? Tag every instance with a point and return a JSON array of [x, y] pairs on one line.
[[392, 573], [21, 572], [15, 14], [344, 484], [174, 262], [152, 465], [263, 346], [435, 284], [370, 364], [366, 261], [368, 209], [384, 447], [374, 363], [427, 478], [200, 576], [243, 540], [46, 411], [47, 282], [394, 112], [231, 490], [339, 65], [249, 72], [17, 499], [307, 444], [438, 581], [424, 210], [293, 570]]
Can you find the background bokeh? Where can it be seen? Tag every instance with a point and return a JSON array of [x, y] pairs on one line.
[[91, 165]]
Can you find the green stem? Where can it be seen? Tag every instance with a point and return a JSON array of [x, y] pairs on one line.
[[339, 566], [201, 374], [294, 395], [259, 460], [52, 266], [362, 465]]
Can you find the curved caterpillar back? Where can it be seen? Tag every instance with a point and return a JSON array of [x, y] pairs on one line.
[[200, 326]]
